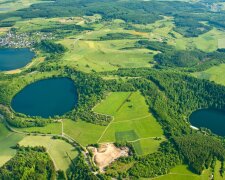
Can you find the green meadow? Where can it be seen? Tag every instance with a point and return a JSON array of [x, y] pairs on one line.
[[53, 128], [214, 74], [132, 122], [207, 42], [87, 55], [83, 132], [7, 140]]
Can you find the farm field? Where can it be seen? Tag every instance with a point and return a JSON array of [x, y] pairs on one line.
[[87, 55], [207, 42], [53, 128], [213, 74], [132, 122], [7, 140], [83, 132], [56, 148]]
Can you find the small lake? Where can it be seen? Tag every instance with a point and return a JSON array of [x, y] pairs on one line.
[[211, 119], [11, 59], [46, 98]]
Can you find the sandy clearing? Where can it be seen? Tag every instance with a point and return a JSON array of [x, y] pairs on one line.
[[106, 154]]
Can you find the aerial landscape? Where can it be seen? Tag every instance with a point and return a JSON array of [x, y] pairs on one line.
[[112, 89]]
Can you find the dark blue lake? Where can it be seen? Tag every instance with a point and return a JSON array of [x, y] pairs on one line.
[[211, 119], [11, 59], [46, 98]]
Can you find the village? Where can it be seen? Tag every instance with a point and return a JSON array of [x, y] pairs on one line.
[[23, 40]]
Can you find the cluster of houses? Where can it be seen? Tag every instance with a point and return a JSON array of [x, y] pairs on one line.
[[23, 40]]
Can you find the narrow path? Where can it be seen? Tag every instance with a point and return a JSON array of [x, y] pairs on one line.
[[53, 160], [105, 130]]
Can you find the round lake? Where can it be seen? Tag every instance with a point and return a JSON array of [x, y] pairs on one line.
[[11, 59], [46, 98], [211, 119]]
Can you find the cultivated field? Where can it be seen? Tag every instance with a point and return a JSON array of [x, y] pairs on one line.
[[53, 128], [221, 43], [215, 74], [132, 122], [87, 55], [83, 132]]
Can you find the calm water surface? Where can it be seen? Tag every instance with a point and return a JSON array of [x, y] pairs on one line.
[[11, 59], [46, 98], [211, 119]]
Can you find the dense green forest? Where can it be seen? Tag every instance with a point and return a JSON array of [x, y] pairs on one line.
[[199, 150], [29, 163]]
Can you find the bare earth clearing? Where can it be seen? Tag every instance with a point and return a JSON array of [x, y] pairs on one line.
[[107, 153]]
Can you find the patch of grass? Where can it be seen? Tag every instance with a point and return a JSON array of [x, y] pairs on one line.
[[146, 146], [110, 106], [87, 53], [56, 148], [144, 128], [207, 42], [7, 140], [133, 108], [217, 174], [126, 135], [213, 74], [83, 132], [221, 43], [132, 121], [53, 128], [137, 147]]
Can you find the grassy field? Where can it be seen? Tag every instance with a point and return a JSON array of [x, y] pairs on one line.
[[207, 42], [221, 43], [89, 55], [213, 74], [53, 128], [57, 149], [182, 172], [83, 132], [146, 146], [132, 122], [7, 140], [217, 174]]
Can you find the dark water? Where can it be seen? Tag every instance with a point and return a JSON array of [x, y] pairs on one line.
[[46, 98], [14, 58], [211, 119]]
